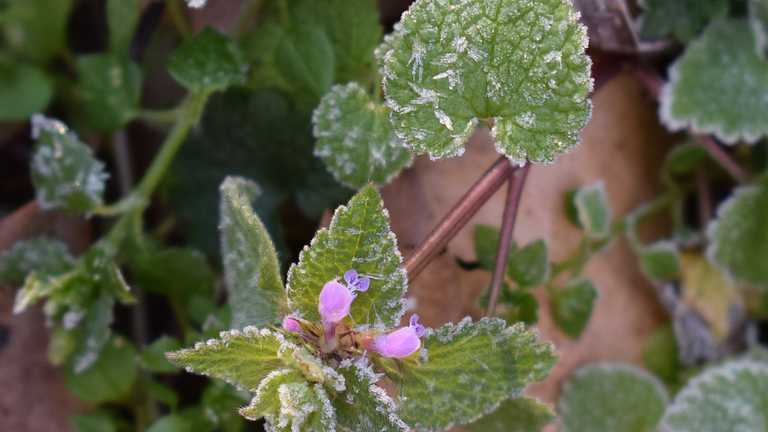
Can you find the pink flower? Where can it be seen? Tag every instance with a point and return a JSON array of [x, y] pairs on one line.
[[335, 300], [290, 324], [402, 342]]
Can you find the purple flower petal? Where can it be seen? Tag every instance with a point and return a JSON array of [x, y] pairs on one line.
[[418, 328], [335, 300], [350, 277], [290, 324], [363, 283], [399, 344]]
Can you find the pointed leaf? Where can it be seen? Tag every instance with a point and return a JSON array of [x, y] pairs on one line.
[[572, 306], [251, 267], [364, 405], [26, 90], [529, 265], [305, 56], [43, 255], [593, 211], [109, 90], [700, 94], [355, 138], [64, 171], [515, 415], [466, 370], [683, 19], [358, 238], [611, 398], [730, 397], [207, 62], [110, 378], [455, 63]]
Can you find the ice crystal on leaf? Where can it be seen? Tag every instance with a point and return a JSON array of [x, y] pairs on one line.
[[516, 64]]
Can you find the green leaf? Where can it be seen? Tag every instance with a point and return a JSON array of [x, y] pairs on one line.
[[306, 58], [730, 397], [572, 306], [659, 261], [682, 160], [207, 62], [593, 211], [26, 90], [515, 415], [178, 272], [457, 63], [110, 378], [738, 239], [190, 419], [97, 421], [109, 89], [359, 238], [364, 405], [719, 85], [661, 356], [239, 358], [520, 306], [41, 254], [466, 370], [486, 238], [220, 403], [251, 268], [162, 393], [36, 29], [355, 138], [122, 18], [529, 265], [611, 398], [683, 19], [758, 20], [153, 357], [63, 169], [93, 332]]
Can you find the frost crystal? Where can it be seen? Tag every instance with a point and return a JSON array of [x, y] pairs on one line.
[[197, 4]]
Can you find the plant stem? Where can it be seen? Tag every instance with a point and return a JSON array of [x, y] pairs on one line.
[[705, 198], [722, 158], [176, 9], [248, 13], [458, 216], [515, 186]]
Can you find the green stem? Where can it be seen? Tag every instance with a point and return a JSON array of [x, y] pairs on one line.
[[176, 9], [159, 116], [180, 314]]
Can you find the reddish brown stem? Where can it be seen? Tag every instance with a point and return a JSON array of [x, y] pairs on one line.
[[705, 198], [721, 157], [514, 193], [459, 215]]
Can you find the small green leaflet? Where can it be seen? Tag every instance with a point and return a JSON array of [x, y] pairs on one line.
[[358, 238], [251, 267], [594, 215], [572, 306], [355, 138], [109, 88], [729, 397], [64, 171], [93, 332], [97, 421], [758, 20], [611, 398], [659, 261], [122, 18], [683, 19], [486, 239], [110, 378], [465, 370], [738, 238], [518, 65], [719, 85], [153, 357], [529, 265], [661, 354], [36, 29], [208, 62], [40, 254], [515, 415], [26, 90], [365, 406]]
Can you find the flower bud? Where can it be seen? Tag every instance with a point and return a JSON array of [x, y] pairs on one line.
[[402, 342], [290, 324]]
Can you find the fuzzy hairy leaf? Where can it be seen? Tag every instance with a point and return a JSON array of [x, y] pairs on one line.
[[593, 212], [26, 90], [465, 370], [758, 20], [719, 85], [683, 19], [109, 89], [572, 306], [730, 397], [364, 405], [519, 63], [738, 238], [611, 398], [251, 267], [63, 169], [359, 238], [516, 415], [36, 29], [110, 378], [207, 62], [529, 265], [355, 138], [40, 254]]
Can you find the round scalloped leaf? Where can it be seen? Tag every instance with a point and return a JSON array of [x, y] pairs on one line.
[[611, 398], [517, 64], [719, 85], [738, 239], [355, 138], [730, 397]]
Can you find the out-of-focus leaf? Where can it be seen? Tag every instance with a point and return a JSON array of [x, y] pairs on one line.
[[682, 160], [521, 307], [43, 255], [572, 306], [220, 403], [25, 90], [162, 393], [306, 58], [178, 272], [36, 29], [153, 357], [93, 333], [593, 211], [529, 265], [208, 62], [660, 354], [109, 89], [98, 421], [486, 244], [122, 18], [110, 378], [683, 19], [659, 261], [520, 414], [758, 20]]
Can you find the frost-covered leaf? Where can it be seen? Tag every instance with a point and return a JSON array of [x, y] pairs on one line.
[[730, 397], [364, 406], [251, 268], [358, 238], [594, 214], [355, 138], [572, 306], [515, 415], [529, 265], [719, 85], [239, 358], [758, 20], [110, 378], [40, 254], [465, 370], [153, 357], [207, 62], [659, 261], [64, 171], [518, 64], [486, 238], [26, 90], [611, 398], [738, 238], [683, 19], [122, 18], [93, 332], [36, 29], [109, 89]]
